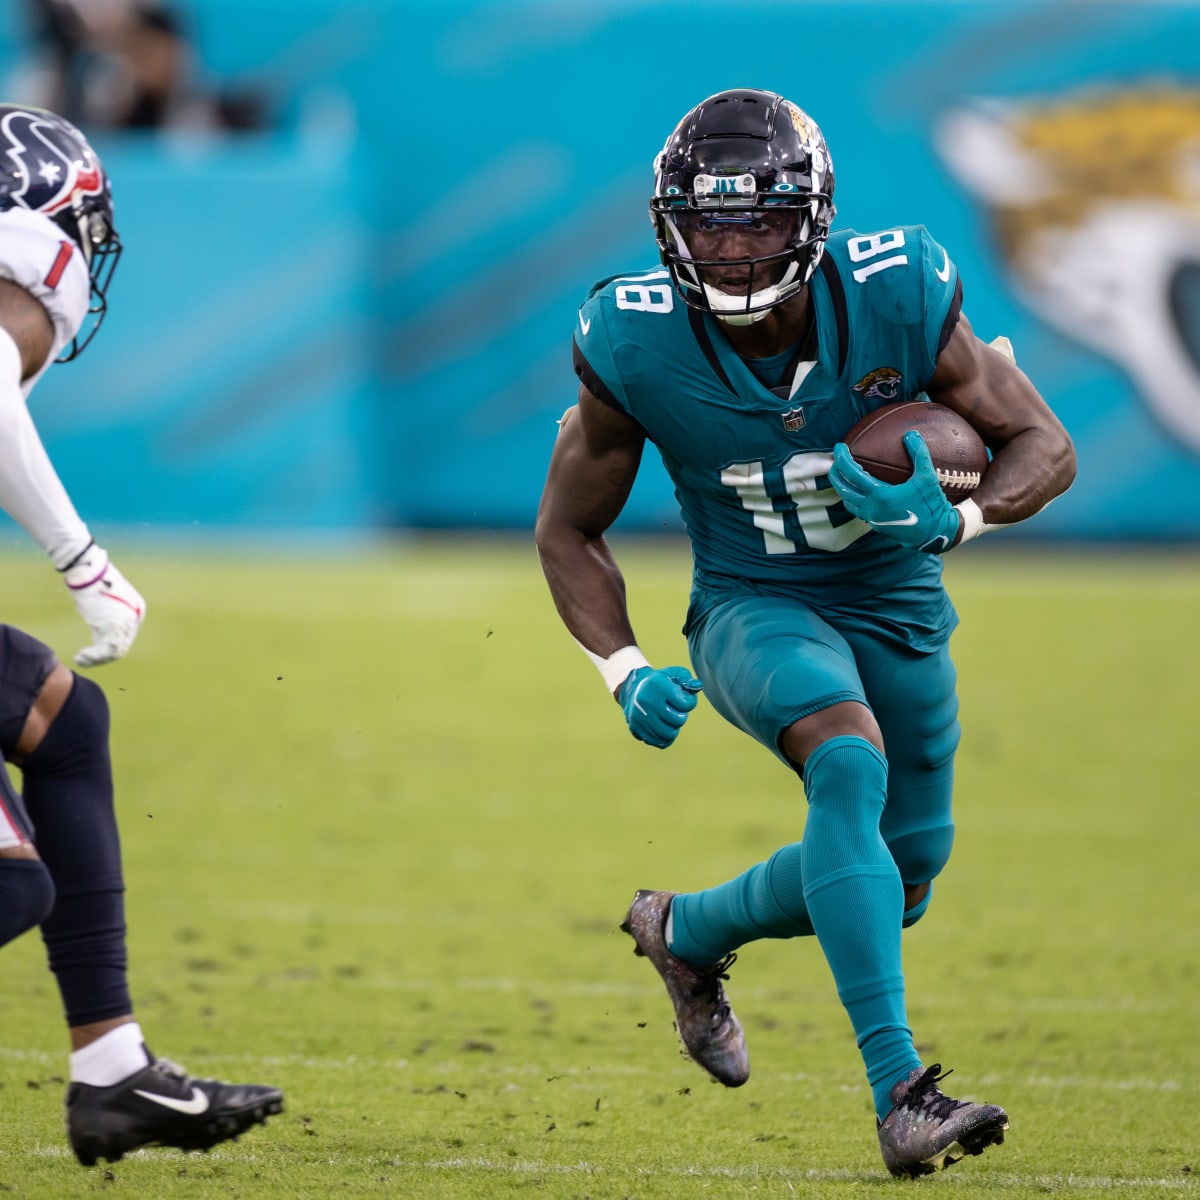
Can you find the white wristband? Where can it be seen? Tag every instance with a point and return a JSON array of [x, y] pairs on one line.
[[973, 522], [616, 667]]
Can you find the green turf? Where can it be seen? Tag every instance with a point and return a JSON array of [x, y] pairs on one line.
[[381, 822]]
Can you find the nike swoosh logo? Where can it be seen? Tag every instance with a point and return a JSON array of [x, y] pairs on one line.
[[585, 325], [944, 273], [193, 1107], [911, 519]]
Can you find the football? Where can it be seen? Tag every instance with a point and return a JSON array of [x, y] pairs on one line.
[[958, 453]]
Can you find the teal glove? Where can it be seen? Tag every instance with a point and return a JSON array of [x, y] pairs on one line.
[[914, 513], [656, 702]]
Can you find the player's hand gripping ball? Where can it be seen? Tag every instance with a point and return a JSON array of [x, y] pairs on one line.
[[902, 469], [959, 456]]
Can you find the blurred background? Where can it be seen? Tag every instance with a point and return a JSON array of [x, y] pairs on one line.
[[357, 233]]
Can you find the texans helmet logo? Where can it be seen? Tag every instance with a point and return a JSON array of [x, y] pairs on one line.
[[46, 170]]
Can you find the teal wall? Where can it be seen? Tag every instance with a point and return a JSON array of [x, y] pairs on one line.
[[364, 318]]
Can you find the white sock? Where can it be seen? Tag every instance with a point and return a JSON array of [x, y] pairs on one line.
[[112, 1057]]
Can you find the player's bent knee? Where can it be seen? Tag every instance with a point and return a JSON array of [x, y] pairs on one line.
[[847, 718], [88, 706], [78, 733]]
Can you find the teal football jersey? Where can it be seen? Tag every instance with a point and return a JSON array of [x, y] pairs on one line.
[[749, 463]]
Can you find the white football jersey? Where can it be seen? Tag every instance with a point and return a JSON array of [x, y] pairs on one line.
[[38, 255]]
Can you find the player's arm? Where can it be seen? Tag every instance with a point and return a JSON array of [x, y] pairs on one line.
[[1033, 458], [595, 461], [30, 490], [33, 495], [592, 469]]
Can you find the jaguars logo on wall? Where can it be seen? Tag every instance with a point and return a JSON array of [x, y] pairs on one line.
[[1094, 200]]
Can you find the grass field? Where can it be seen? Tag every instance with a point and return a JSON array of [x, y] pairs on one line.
[[381, 823]]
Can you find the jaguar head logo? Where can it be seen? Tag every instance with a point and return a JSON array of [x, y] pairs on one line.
[[1094, 201], [883, 383]]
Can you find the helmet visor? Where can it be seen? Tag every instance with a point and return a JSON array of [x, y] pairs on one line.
[[736, 250]]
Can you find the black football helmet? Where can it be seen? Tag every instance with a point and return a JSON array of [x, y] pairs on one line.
[[47, 166], [743, 158]]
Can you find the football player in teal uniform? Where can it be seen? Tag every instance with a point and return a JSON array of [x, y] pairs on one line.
[[818, 622]]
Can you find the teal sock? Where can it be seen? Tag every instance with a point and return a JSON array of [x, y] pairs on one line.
[[856, 903], [766, 901]]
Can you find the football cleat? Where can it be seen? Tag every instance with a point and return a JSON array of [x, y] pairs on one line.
[[709, 1033], [926, 1131], [161, 1105]]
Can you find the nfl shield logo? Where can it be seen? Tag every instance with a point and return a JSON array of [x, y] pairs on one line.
[[793, 419]]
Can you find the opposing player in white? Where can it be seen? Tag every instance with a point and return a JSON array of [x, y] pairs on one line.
[[60, 857]]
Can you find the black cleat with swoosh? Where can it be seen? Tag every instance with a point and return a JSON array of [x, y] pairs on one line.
[[162, 1105]]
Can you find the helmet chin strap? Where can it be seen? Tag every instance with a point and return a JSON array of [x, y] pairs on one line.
[[733, 309], [739, 318]]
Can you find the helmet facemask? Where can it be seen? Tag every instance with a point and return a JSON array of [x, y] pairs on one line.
[[740, 289], [101, 246]]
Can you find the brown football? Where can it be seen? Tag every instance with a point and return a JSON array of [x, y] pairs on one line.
[[958, 453]]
